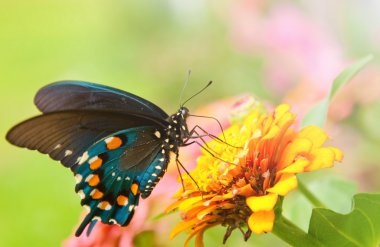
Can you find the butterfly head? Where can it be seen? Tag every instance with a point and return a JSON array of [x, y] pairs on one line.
[[183, 112]]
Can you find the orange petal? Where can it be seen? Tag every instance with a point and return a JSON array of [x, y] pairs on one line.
[[321, 158], [172, 206], [315, 134], [261, 221], [211, 209], [261, 203], [297, 167], [197, 230], [182, 226], [199, 239], [287, 183], [292, 150], [245, 191]]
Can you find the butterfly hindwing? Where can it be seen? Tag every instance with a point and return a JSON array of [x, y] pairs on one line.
[[116, 170]]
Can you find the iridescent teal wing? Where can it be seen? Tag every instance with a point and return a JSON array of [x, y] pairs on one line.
[[116, 171]]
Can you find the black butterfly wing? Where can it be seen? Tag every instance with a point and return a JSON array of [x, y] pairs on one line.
[[70, 95], [66, 135], [115, 171]]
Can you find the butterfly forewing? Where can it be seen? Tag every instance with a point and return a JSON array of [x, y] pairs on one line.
[[66, 135], [69, 95]]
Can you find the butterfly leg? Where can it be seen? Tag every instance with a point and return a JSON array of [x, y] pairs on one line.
[[180, 174], [210, 135], [208, 151], [188, 173], [194, 131], [220, 125]]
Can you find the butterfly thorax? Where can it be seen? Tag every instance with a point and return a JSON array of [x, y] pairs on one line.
[[177, 130]]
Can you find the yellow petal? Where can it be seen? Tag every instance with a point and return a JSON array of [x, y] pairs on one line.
[[188, 203], [315, 134], [321, 158], [273, 131], [281, 110], [292, 150], [261, 221], [338, 154], [297, 167], [287, 183], [185, 225], [286, 120], [261, 203]]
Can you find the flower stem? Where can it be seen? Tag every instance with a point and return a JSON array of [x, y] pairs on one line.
[[292, 234], [307, 193]]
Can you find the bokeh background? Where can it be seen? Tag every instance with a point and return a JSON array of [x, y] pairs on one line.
[[278, 51]]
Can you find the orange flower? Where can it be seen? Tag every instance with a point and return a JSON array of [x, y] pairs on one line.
[[241, 186]]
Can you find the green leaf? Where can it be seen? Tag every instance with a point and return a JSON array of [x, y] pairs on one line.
[[317, 115], [333, 191], [361, 227]]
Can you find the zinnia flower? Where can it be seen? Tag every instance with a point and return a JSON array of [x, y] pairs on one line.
[[241, 183]]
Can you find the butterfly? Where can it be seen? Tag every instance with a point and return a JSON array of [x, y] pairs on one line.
[[117, 144]]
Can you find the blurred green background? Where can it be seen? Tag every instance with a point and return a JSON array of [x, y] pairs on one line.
[[285, 51]]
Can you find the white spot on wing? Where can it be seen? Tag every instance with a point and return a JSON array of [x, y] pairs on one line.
[[158, 167], [93, 159], [87, 208], [109, 139], [97, 218], [158, 134], [81, 194], [89, 177], [130, 208], [58, 146], [68, 152], [78, 159], [83, 158], [78, 178]]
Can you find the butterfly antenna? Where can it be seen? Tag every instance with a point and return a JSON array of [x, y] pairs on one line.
[[200, 91], [185, 85]]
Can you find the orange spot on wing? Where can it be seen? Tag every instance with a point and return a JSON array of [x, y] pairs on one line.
[[97, 194], [96, 163], [104, 205], [135, 189], [114, 142], [94, 180], [122, 200]]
